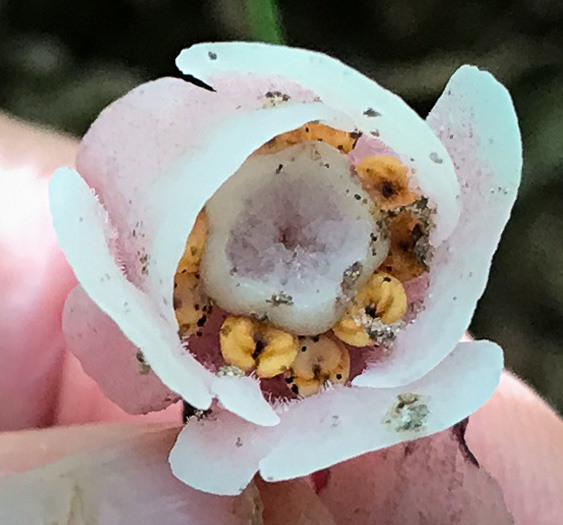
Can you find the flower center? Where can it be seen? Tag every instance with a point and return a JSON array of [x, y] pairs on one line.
[[284, 232], [305, 254]]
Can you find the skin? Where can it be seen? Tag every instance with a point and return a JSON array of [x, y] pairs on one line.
[[516, 435]]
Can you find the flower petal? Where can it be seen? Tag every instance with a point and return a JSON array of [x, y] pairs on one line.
[[476, 121], [82, 230], [432, 480], [219, 453], [343, 423], [109, 357], [155, 156], [120, 477], [180, 197], [242, 396], [371, 108]]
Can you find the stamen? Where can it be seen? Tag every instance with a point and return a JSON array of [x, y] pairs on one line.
[[408, 249], [344, 141], [190, 302], [386, 181], [321, 360], [381, 300], [249, 345], [194, 246]]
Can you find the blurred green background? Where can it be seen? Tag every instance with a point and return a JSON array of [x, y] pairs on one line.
[[61, 62]]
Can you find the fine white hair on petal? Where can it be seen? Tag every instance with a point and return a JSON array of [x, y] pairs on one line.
[[242, 396], [371, 108], [219, 453], [343, 423], [475, 119], [80, 223]]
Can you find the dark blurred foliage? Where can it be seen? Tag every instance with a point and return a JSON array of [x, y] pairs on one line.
[[61, 62]]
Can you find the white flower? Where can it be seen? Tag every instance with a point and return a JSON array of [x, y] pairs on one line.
[[328, 203]]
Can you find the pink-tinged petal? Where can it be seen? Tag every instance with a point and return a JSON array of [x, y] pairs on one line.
[[372, 109], [343, 423], [432, 480], [293, 502], [184, 191], [112, 476], [81, 226], [158, 217], [242, 396], [107, 355], [476, 121], [155, 156], [219, 453]]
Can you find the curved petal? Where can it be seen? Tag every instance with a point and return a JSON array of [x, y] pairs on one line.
[[113, 475], [242, 396], [179, 197], [156, 155], [83, 232], [109, 357], [427, 481], [476, 121], [219, 453], [343, 423], [370, 107]]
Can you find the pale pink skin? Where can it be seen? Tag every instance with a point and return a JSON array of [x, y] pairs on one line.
[[515, 436]]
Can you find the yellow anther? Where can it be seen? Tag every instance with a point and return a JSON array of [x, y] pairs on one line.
[[341, 140], [283, 141], [383, 298], [320, 360], [190, 303], [248, 344], [403, 262], [194, 246], [386, 181]]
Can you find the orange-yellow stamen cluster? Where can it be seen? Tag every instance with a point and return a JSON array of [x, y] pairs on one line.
[[382, 299], [308, 363]]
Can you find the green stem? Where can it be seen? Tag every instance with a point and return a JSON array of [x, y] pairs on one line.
[[265, 22]]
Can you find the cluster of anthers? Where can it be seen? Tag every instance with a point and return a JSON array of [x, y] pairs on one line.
[[266, 248]]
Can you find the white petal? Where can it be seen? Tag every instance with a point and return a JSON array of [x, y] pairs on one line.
[[341, 87], [243, 397], [476, 121], [219, 453], [343, 423], [81, 226]]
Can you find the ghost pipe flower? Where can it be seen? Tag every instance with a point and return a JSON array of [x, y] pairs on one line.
[[293, 249]]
